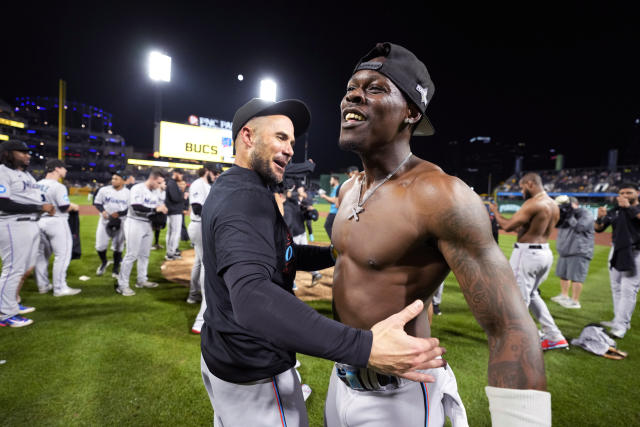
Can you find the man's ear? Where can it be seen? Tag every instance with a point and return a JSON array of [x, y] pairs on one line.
[[246, 136], [413, 114]]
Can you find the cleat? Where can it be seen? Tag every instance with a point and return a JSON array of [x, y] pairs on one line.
[[306, 391], [607, 323], [295, 287], [195, 331], [436, 310], [46, 289], [617, 333], [315, 278], [101, 269], [554, 345], [115, 275], [16, 321], [66, 292], [560, 299], [23, 309], [172, 257], [127, 292], [192, 301], [147, 284], [570, 304]]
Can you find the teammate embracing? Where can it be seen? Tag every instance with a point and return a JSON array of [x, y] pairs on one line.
[[144, 201], [21, 205], [112, 201], [55, 234]]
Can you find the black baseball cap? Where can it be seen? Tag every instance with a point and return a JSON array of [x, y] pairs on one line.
[[296, 110], [352, 169], [121, 173], [408, 73], [14, 145], [52, 164]]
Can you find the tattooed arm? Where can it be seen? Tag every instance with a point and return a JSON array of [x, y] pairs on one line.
[[488, 284]]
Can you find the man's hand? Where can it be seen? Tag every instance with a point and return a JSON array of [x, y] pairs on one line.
[[602, 211], [73, 207], [105, 214], [162, 208], [493, 208], [395, 352], [115, 215], [48, 208], [623, 202]]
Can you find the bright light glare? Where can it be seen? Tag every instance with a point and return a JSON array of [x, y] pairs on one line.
[[159, 67], [268, 90], [240, 77]]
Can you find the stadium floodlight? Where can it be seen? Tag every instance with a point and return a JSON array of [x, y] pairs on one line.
[[159, 67], [268, 89]]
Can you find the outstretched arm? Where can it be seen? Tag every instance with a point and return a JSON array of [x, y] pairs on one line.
[[488, 285]]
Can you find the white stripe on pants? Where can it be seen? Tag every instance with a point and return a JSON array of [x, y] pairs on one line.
[[19, 241], [55, 238], [174, 230], [139, 237], [624, 291], [531, 267]]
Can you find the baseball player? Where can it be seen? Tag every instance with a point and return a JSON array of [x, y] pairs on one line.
[[197, 195], [174, 200], [144, 201], [55, 234], [112, 201], [21, 205]]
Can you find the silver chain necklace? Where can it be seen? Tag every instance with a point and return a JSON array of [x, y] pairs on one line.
[[358, 208]]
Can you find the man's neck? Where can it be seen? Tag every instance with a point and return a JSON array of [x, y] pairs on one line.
[[52, 176], [148, 185], [381, 162]]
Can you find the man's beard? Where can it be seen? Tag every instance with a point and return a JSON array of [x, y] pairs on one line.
[[209, 180], [526, 194], [262, 166]]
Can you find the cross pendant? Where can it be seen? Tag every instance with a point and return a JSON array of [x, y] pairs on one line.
[[355, 211]]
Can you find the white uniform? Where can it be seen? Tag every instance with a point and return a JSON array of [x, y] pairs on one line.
[[138, 234], [55, 237], [112, 200], [357, 398], [19, 235], [198, 193]]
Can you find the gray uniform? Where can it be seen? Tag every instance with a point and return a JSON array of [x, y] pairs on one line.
[[197, 194], [112, 200], [138, 234], [575, 246], [55, 237], [19, 235]]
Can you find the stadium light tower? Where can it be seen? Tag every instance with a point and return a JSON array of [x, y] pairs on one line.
[[159, 71], [268, 89]]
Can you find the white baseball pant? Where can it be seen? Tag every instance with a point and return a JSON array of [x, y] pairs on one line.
[[531, 263], [102, 238], [19, 241], [55, 237], [174, 230], [195, 234], [139, 237], [624, 291]]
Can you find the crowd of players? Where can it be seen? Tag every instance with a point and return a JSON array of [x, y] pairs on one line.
[[34, 222]]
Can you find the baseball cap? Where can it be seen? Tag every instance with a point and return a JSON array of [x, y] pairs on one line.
[[295, 109], [52, 164], [352, 169], [122, 174], [408, 73], [14, 145]]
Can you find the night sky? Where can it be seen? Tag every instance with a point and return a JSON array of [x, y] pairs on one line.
[[565, 79]]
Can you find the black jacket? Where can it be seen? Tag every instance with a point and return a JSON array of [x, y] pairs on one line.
[[174, 199]]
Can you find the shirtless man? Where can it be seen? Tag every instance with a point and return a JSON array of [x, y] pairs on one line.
[[402, 224], [531, 258]]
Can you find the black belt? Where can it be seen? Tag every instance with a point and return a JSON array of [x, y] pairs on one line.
[[515, 245], [26, 218], [365, 379]]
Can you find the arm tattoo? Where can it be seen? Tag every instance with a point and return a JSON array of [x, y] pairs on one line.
[[488, 285]]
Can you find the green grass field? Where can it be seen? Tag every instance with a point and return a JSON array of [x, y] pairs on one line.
[[102, 359]]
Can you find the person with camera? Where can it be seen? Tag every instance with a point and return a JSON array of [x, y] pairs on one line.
[[624, 258], [295, 214], [575, 249]]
